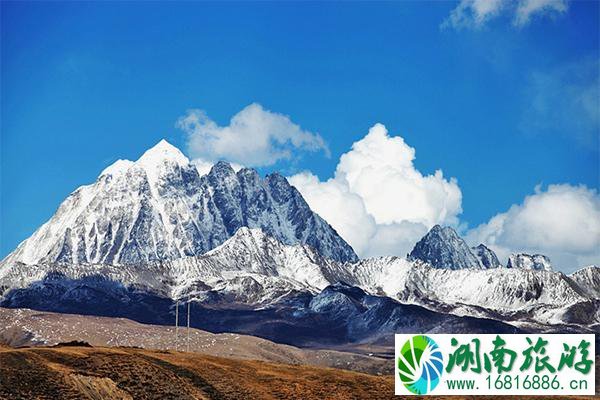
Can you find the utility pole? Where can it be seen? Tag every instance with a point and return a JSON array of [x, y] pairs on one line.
[[176, 323], [188, 325]]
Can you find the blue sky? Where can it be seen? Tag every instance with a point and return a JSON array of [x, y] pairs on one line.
[[497, 105]]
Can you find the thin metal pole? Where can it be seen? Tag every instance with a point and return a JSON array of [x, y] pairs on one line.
[[188, 325], [176, 323]]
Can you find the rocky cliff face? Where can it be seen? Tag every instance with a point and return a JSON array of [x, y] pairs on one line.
[[537, 262], [443, 248], [160, 208], [487, 258]]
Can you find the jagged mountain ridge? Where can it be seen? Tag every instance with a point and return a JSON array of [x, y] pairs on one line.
[[142, 236], [252, 283], [588, 278], [161, 208], [253, 269], [443, 248], [487, 257], [536, 262]]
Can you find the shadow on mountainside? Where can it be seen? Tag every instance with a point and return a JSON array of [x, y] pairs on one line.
[[338, 315]]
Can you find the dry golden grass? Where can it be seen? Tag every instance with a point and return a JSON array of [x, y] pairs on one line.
[[126, 373], [122, 373]]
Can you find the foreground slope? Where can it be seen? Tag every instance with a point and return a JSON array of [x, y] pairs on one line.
[[122, 373], [125, 373], [23, 327]]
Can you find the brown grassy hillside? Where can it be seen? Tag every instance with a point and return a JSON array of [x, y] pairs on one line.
[[23, 327], [125, 373], [120, 373]]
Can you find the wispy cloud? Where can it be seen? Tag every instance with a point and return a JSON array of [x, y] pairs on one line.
[[527, 9], [565, 100], [474, 14], [254, 137]]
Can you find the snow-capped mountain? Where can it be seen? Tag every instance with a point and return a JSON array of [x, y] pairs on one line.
[[252, 262], [588, 278], [487, 257], [250, 267], [536, 262], [501, 293], [160, 208], [255, 270], [443, 248], [253, 257]]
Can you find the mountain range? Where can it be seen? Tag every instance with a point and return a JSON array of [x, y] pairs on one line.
[[160, 208], [251, 256]]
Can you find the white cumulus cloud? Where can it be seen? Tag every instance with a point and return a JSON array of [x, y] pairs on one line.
[[475, 14], [341, 208], [254, 137], [377, 200], [381, 204], [562, 222]]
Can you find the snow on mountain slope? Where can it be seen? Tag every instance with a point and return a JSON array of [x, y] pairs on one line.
[[537, 262], [487, 258], [255, 269], [154, 230], [496, 289], [160, 208], [588, 278], [251, 267], [152, 278], [252, 251], [499, 289], [443, 248]]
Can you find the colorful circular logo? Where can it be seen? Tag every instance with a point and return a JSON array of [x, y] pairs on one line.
[[420, 364]]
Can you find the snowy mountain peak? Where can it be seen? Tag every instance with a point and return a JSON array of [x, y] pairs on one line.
[[248, 236], [277, 179], [439, 230], [261, 244], [588, 278], [160, 208], [248, 176], [161, 152], [252, 245], [527, 261], [486, 256], [443, 248], [222, 168], [117, 168]]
